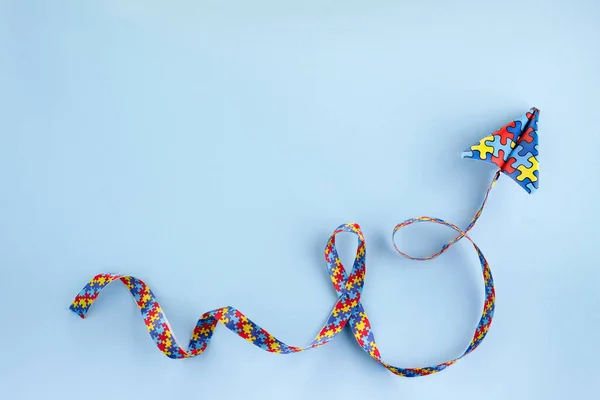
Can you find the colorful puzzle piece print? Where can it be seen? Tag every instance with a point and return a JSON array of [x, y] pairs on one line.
[[514, 149], [347, 310]]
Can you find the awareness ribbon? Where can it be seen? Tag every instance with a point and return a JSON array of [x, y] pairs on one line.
[[347, 310]]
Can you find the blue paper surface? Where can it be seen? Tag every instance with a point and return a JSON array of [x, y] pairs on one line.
[[216, 145]]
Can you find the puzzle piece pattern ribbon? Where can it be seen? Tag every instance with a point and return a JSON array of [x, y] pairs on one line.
[[347, 311]]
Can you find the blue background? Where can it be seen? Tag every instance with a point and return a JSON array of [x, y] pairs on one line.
[[210, 148]]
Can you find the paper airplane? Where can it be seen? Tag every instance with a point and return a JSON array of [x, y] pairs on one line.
[[514, 149]]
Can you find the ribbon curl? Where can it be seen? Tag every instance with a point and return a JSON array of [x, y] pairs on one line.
[[347, 310]]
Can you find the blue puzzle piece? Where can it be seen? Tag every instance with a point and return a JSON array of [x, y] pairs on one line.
[[518, 128], [497, 145], [525, 147], [521, 160]]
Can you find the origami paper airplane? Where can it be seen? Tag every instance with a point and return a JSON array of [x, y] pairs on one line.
[[514, 149]]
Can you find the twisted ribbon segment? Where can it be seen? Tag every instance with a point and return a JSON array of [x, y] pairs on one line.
[[347, 310], [347, 287]]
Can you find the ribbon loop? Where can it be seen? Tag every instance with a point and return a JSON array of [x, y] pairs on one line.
[[342, 282], [442, 222], [361, 327], [347, 310]]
